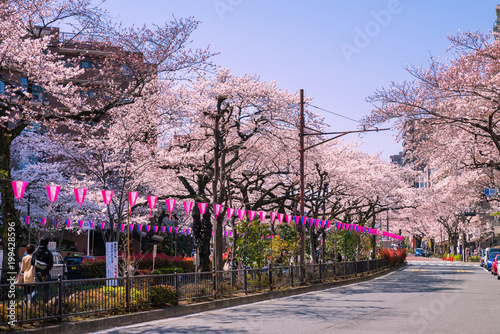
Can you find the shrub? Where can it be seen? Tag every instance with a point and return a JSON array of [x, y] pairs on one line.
[[393, 257], [145, 261], [165, 271], [93, 268], [457, 257], [163, 294]]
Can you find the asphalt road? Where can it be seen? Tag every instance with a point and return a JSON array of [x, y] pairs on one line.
[[424, 297]]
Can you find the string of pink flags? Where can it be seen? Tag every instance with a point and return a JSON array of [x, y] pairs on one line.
[[107, 195]]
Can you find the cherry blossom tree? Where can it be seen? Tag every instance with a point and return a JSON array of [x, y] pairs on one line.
[[134, 57]]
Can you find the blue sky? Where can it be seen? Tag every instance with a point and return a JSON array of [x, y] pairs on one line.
[[338, 51]]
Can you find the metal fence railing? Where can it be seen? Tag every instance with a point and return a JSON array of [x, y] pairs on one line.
[[31, 302]]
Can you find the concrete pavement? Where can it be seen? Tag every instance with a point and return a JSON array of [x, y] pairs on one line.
[[424, 297]]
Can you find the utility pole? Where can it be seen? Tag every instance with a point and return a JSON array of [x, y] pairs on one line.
[[302, 181], [302, 150]]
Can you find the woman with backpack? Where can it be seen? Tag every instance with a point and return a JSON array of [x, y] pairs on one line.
[[42, 261]]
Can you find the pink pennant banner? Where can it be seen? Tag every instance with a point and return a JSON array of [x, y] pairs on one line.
[[251, 215], [148, 228], [103, 224], [229, 213], [155, 228], [177, 230], [131, 227], [217, 209], [304, 221], [288, 219], [202, 207], [241, 214], [107, 195], [183, 231], [80, 223], [188, 206], [170, 229], [152, 203], [122, 227], [80, 196], [92, 224], [42, 222], [280, 217], [132, 199], [273, 216], [56, 222], [139, 227], [311, 221], [68, 223], [19, 187], [52, 191], [170, 206], [27, 220], [262, 215], [163, 229]]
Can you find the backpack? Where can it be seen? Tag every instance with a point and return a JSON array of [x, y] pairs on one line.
[[42, 260]]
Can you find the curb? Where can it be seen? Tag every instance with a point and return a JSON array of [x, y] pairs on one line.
[[89, 326]]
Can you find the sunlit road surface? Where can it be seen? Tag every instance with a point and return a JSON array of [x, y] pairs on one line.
[[427, 296]]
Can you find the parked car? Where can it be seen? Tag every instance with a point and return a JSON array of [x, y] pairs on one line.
[[73, 266], [491, 257], [487, 252], [494, 265], [419, 252], [59, 268]]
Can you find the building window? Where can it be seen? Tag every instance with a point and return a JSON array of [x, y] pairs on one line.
[[87, 64]]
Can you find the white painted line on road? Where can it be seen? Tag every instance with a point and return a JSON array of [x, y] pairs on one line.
[[239, 306]]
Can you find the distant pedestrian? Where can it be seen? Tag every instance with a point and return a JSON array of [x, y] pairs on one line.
[[28, 273], [66, 258], [42, 261]]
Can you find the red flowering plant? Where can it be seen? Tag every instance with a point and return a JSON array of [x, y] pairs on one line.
[[392, 256]]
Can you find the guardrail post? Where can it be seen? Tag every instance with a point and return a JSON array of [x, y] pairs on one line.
[[176, 285], [320, 272], [355, 268], [214, 283], [303, 274], [291, 276], [270, 277], [245, 273], [127, 291], [59, 304]]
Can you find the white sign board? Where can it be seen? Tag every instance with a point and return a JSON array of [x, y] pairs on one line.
[[490, 192], [52, 246], [111, 262], [86, 225]]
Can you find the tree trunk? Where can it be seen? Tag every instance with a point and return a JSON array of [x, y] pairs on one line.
[[202, 231], [312, 243], [10, 216]]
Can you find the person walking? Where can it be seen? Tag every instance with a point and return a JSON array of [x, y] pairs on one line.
[[28, 274], [42, 261]]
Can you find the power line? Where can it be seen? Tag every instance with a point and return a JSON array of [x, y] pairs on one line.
[[331, 112]]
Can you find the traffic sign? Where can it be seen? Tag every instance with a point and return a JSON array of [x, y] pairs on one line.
[[490, 192]]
